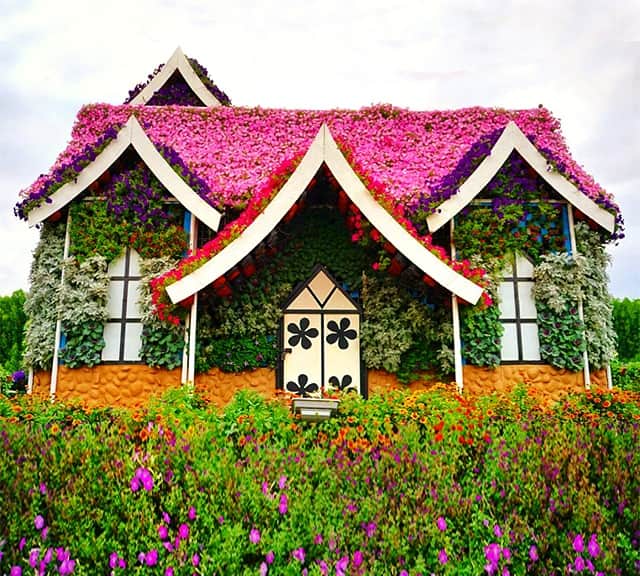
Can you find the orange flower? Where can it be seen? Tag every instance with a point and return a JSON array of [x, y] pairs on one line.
[[606, 404], [143, 434]]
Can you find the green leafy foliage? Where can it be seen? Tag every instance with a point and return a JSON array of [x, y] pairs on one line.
[[83, 311], [626, 375], [41, 302], [481, 331], [561, 336], [626, 323], [598, 314], [162, 344], [401, 334], [386, 485], [12, 322], [534, 229]]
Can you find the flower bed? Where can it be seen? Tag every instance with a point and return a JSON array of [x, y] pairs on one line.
[[401, 484]]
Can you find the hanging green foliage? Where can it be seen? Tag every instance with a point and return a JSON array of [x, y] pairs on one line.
[[403, 335], [162, 343], [598, 314], [559, 282], [481, 332], [41, 302]]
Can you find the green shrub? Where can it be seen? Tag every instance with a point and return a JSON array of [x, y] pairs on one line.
[[389, 484]]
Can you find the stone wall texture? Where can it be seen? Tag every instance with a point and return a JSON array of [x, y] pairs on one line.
[[132, 385]]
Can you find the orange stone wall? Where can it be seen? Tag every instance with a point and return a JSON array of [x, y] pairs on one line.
[[127, 385], [541, 380], [132, 385]]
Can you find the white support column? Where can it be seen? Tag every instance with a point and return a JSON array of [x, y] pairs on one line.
[[30, 381], [186, 352], [574, 250], [455, 316], [609, 377], [457, 351], [191, 378], [54, 367]]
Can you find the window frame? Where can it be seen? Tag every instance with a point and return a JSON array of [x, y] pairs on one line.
[[123, 320], [512, 280]]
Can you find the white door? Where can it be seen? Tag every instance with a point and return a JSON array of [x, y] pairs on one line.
[[321, 339]]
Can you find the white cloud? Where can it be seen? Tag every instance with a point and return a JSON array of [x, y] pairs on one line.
[[579, 58]]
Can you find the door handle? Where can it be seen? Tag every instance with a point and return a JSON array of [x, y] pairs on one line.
[[285, 351]]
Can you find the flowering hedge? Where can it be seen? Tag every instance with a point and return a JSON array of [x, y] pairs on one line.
[[404, 484]]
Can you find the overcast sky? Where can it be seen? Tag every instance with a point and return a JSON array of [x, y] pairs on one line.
[[580, 58]]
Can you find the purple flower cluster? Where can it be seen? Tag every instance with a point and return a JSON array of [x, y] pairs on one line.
[[66, 172], [176, 91], [142, 479]]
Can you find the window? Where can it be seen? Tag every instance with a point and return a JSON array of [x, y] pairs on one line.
[[518, 313], [123, 330]]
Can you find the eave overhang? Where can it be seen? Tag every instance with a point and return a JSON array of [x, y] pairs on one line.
[[324, 149], [131, 134]]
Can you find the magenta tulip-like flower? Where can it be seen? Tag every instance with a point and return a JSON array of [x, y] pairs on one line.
[[66, 567], [254, 536], [299, 555], [593, 547], [264, 569], [168, 571], [283, 506], [342, 565], [441, 523], [533, 553], [578, 543], [151, 558], [38, 521], [497, 531], [15, 571], [195, 559], [192, 513], [442, 556], [357, 558], [183, 531], [579, 564], [270, 557]]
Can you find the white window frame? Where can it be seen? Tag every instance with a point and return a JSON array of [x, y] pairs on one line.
[[126, 339], [514, 281]]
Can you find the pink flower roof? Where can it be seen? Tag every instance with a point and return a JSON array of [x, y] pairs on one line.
[[411, 155]]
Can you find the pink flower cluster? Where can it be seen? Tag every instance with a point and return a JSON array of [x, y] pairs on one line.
[[236, 150]]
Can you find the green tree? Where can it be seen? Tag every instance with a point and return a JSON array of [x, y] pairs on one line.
[[626, 322], [12, 321]]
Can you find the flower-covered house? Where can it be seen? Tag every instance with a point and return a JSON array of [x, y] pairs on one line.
[[185, 241]]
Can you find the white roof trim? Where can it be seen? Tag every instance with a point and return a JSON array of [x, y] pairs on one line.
[[324, 149], [512, 138], [178, 61], [133, 135]]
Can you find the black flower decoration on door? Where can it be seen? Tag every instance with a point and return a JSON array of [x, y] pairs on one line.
[[343, 385], [341, 334], [302, 334], [302, 387]]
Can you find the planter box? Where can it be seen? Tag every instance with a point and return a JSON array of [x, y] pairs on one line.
[[314, 409]]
